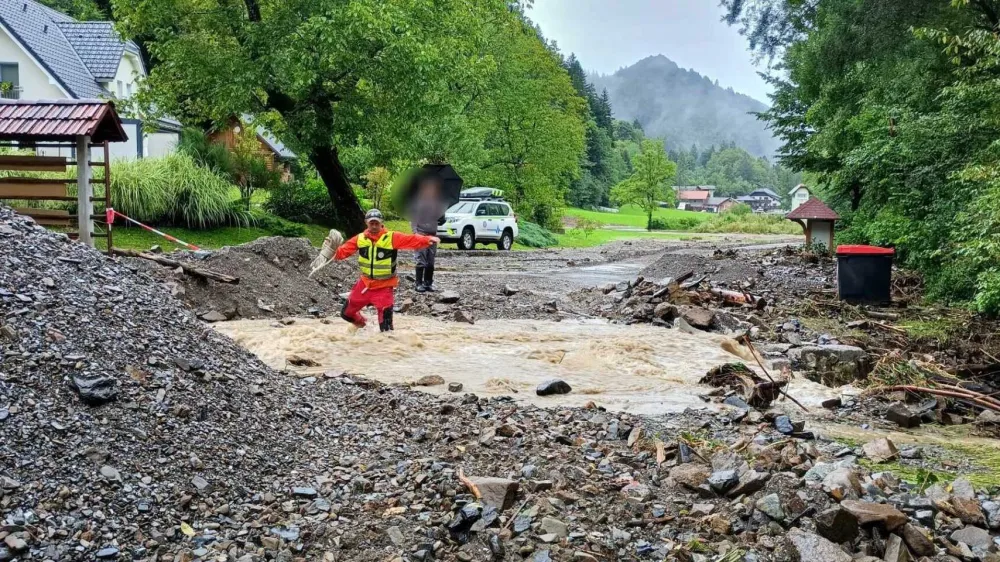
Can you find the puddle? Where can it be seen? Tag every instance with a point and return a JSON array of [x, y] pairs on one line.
[[639, 369]]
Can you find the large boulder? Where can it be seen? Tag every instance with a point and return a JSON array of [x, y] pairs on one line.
[[832, 365]]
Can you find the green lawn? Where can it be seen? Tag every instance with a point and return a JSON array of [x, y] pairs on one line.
[[632, 216], [578, 239]]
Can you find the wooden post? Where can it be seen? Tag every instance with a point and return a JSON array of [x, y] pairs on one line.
[[84, 191], [809, 232], [107, 193]]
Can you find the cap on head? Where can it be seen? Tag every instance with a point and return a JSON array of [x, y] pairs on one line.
[[374, 215]]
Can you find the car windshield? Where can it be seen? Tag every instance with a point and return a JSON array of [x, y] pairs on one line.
[[464, 207]]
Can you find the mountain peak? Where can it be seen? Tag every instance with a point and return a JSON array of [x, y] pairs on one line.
[[685, 108]]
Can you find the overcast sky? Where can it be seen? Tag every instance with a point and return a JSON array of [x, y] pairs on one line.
[[609, 34]]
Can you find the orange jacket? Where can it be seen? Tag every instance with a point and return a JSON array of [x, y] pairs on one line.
[[400, 241]]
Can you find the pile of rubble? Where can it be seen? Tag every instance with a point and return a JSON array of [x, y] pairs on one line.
[[130, 430], [273, 282]]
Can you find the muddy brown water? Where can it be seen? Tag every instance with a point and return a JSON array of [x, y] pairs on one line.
[[638, 369]]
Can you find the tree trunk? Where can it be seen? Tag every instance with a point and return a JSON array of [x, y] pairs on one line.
[[649, 221], [349, 213]]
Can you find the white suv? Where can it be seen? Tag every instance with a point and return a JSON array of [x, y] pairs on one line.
[[480, 216]]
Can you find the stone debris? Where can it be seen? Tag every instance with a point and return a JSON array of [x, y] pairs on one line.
[[201, 452]]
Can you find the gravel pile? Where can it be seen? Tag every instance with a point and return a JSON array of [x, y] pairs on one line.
[[129, 430]]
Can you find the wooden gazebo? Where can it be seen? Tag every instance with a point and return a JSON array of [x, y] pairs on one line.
[[43, 126], [817, 220]]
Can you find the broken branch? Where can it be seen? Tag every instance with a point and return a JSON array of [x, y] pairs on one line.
[[468, 484], [187, 269]]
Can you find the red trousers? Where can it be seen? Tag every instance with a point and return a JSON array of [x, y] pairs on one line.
[[382, 299]]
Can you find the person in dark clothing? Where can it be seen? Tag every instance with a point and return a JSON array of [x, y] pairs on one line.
[[425, 211]]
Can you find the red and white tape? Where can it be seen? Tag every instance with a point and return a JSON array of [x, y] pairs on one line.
[[110, 217]]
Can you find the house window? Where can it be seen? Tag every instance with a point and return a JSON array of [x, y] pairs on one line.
[[10, 81], [121, 90], [128, 88]]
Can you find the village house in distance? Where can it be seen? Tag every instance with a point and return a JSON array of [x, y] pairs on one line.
[[702, 198]]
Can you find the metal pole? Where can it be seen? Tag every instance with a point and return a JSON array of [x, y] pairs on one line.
[[84, 191]]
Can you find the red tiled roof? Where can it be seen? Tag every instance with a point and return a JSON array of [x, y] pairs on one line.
[[693, 195], [60, 120], [813, 209]]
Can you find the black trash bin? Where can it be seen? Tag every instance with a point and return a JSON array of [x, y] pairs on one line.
[[864, 274]]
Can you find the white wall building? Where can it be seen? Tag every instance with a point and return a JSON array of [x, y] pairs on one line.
[[799, 195], [47, 55]]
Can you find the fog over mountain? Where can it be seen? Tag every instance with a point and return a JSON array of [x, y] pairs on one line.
[[684, 108]]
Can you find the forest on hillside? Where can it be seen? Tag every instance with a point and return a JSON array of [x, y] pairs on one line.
[[894, 105], [686, 108]]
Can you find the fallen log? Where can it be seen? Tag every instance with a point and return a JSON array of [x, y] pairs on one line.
[[693, 282], [187, 269], [736, 297]]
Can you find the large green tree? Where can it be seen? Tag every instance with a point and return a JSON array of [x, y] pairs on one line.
[[532, 122], [649, 184], [892, 105], [324, 74]]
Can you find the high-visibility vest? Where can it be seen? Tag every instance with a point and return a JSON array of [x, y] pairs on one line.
[[377, 259]]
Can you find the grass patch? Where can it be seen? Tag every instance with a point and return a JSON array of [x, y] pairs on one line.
[[740, 223], [579, 239], [633, 216], [939, 329]]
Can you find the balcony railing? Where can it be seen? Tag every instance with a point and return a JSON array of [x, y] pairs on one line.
[[11, 93]]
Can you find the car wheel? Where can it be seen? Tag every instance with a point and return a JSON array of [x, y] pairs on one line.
[[468, 239], [506, 241]]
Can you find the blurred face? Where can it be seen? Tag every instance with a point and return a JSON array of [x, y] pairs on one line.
[[430, 190], [374, 226]]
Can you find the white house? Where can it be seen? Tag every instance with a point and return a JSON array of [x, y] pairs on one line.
[[799, 195], [47, 55]]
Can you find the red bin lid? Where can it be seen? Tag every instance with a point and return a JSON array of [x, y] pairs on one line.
[[857, 250]]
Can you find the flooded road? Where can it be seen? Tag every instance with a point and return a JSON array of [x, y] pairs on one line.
[[638, 369]]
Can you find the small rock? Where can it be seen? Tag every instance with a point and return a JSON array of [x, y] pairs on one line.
[[814, 548], [200, 483], [842, 484], [784, 425], [724, 480], [690, 475], [429, 380], [108, 553], [15, 543], [94, 390], [868, 513], [499, 492], [553, 386], [973, 537], [702, 509], [509, 291], [449, 297], [309, 493], [213, 316], [900, 415], [700, 318], [880, 450], [832, 403], [396, 536], [895, 550], [770, 505], [837, 524], [992, 510], [455, 387], [550, 525], [463, 317], [110, 473], [919, 540]]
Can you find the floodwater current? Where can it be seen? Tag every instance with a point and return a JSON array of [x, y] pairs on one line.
[[640, 369]]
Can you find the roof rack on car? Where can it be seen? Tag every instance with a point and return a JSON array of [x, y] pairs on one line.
[[481, 194]]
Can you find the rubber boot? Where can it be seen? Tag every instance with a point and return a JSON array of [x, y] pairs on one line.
[[421, 275], [386, 324], [429, 278]]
